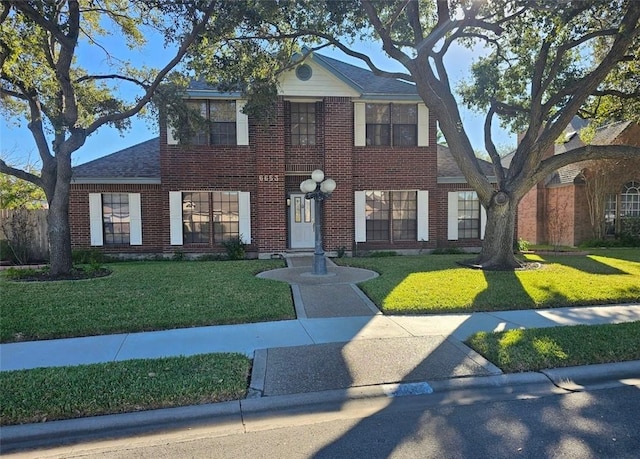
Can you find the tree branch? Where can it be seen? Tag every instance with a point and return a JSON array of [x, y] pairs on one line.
[[182, 50], [491, 147], [587, 152], [19, 173], [113, 76]]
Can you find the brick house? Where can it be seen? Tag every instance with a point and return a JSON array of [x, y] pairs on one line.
[[396, 188], [556, 211]]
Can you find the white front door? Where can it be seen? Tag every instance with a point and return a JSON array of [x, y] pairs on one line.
[[301, 220]]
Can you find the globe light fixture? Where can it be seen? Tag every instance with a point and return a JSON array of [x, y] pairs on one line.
[[318, 189]]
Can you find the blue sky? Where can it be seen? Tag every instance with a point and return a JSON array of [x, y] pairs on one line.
[[17, 145]]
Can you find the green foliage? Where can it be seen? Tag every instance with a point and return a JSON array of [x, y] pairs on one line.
[[89, 256], [382, 254], [341, 251], [47, 394], [16, 193], [523, 245], [235, 248], [447, 251], [178, 255], [630, 231]]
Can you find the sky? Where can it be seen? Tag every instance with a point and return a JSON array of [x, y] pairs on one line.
[[17, 146]]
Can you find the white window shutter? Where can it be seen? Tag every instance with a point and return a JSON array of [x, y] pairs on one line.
[[244, 210], [423, 125], [135, 217], [175, 217], [360, 203], [359, 124], [242, 124], [452, 216], [483, 221], [95, 219], [423, 215], [171, 139]]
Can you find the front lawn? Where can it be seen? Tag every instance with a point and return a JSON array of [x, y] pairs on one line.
[[148, 295], [539, 348], [436, 284]]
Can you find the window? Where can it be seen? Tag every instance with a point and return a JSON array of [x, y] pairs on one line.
[[468, 215], [391, 215], [630, 200], [200, 209], [392, 124], [220, 124], [303, 124], [116, 218]]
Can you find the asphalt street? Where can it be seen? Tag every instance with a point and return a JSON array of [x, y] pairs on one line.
[[592, 424]]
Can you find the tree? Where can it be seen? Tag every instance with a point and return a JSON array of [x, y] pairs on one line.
[[545, 61], [43, 81]]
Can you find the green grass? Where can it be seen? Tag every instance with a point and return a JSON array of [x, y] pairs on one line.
[[436, 284], [46, 394], [141, 296], [539, 348]]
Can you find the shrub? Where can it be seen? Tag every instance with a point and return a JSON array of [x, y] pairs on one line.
[[447, 251], [88, 256], [341, 252], [382, 253], [523, 245], [235, 248]]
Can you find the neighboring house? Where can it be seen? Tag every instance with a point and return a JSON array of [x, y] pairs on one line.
[[556, 211], [396, 189]]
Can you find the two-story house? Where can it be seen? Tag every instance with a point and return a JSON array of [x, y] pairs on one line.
[[396, 188]]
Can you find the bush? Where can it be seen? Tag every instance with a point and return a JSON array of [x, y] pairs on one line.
[[235, 248], [88, 256], [523, 245], [447, 251], [382, 254]]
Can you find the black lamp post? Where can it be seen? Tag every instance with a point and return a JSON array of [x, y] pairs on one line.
[[318, 189]]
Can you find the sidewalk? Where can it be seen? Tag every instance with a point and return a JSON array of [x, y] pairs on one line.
[[340, 348]]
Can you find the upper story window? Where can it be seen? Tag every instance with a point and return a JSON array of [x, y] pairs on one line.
[[392, 124], [630, 200], [220, 116], [303, 123]]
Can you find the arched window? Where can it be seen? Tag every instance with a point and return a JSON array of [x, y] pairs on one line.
[[630, 200]]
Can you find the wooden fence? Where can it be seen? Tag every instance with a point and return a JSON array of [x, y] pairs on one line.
[[31, 226]]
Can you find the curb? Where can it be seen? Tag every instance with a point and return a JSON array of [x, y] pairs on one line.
[[261, 413]]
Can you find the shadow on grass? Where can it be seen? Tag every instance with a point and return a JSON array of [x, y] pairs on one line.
[[585, 264]]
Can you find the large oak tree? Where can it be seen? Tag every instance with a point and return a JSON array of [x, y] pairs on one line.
[[545, 62], [43, 81]]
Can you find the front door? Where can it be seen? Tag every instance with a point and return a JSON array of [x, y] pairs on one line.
[[301, 220]]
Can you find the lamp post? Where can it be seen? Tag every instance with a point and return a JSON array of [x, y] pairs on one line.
[[318, 189]]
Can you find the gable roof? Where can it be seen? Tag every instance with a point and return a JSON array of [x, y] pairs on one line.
[[604, 135], [362, 80], [136, 164]]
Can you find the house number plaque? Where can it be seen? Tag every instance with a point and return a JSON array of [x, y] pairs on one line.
[[269, 178]]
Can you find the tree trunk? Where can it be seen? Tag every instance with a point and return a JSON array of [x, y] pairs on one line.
[[58, 219], [497, 248]]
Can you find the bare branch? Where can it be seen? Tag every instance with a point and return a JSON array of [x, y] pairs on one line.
[[19, 173], [491, 147], [113, 76], [587, 152], [182, 50]]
